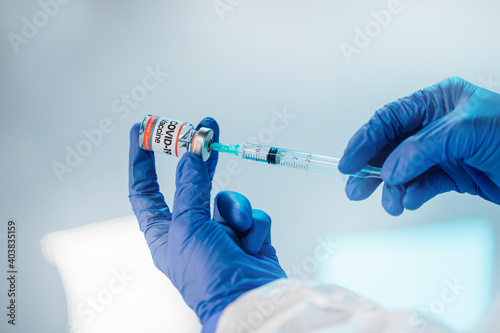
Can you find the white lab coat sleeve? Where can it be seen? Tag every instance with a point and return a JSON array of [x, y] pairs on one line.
[[291, 306]]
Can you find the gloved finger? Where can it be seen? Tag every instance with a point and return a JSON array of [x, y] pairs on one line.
[[214, 155], [392, 199], [258, 237], [426, 187], [233, 209], [147, 202], [358, 188], [396, 121], [192, 193], [429, 147]]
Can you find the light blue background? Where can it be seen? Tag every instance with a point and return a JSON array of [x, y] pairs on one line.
[[264, 55]]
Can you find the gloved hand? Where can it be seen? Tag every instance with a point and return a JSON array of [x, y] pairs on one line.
[[442, 138], [210, 261]]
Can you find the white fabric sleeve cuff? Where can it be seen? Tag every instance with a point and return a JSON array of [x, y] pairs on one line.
[[291, 306]]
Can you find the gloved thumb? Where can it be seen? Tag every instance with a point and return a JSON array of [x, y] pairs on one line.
[[250, 227], [234, 209]]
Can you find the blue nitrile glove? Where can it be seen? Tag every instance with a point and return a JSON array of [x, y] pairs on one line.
[[210, 261], [442, 138]]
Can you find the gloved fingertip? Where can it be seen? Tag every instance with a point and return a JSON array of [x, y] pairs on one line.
[[211, 123], [425, 187], [134, 136], [348, 166], [134, 130], [260, 215], [394, 211], [211, 163], [414, 198], [344, 165], [390, 171], [392, 199], [208, 122], [412, 201], [359, 188], [353, 192]]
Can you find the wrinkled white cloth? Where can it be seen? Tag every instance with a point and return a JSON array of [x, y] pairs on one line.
[[290, 306]]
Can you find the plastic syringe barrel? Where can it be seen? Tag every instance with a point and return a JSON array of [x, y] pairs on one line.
[[299, 160]]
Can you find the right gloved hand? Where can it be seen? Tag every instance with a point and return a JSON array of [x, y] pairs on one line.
[[442, 138]]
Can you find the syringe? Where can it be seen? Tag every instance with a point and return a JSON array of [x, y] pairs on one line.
[[290, 158]]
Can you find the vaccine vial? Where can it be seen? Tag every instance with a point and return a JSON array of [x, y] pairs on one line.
[[174, 137]]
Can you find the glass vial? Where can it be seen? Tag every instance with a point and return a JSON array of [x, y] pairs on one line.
[[174, 137]]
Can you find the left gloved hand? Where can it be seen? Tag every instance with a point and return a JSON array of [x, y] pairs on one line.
[[210, 261]]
